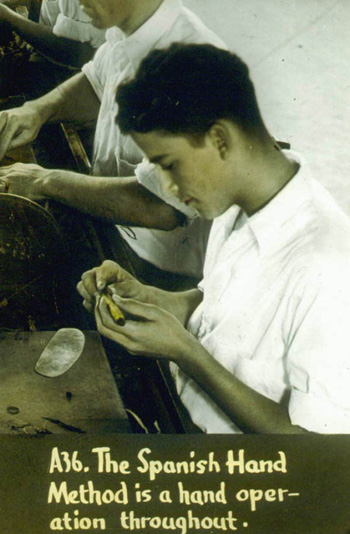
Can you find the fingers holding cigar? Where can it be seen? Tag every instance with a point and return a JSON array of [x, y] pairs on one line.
[[114, 310]]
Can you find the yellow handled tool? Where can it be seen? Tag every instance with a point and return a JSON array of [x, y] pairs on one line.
[[114, 310]]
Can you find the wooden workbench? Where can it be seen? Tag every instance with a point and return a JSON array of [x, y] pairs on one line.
[[84, 398]]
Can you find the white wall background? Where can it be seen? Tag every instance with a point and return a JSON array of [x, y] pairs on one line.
[[298, 52]]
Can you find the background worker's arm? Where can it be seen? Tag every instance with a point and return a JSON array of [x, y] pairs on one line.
[[41, 37], [72, 101], [117, 200]]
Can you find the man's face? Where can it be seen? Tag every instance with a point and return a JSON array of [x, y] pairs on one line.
[[194, 173], [108, 13]]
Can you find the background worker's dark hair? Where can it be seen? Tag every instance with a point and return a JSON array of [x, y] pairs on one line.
[[185, 89]]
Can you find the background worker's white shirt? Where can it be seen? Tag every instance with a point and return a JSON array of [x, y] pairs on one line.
[[68, 20], [182, 249], [276, 309]]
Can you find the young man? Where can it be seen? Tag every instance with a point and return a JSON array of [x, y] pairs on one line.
[[262, 345], [134, 199]]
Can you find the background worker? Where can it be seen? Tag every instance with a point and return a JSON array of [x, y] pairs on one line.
[[262, 345], [62, 41], [134, 198]]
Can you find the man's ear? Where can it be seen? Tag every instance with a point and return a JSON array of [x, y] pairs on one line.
[[220, 137]]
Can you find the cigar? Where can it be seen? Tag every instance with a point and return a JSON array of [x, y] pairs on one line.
[[114, 310]]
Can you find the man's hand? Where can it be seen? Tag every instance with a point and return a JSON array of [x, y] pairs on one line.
[[154, 318], [148, 331], [115, 280], [23, 179], [110, 277], [18, 127]]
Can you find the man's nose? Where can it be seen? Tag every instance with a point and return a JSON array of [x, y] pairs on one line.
[[169, 188]]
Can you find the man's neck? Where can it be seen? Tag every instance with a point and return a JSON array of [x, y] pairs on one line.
[[144, 9], [271, 170]]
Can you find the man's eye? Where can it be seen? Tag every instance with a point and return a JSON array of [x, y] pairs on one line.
[[169, 167]]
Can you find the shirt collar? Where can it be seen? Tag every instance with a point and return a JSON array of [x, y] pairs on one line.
[[144, 39], [265, 225], [270, 222]]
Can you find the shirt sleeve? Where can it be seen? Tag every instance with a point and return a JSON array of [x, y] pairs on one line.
[[78, 30], [95, 71], [147, 174], [49, 12], [318, 360], [67, 19]]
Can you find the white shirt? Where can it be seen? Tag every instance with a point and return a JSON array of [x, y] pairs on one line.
[[68, 20], [181, 250], [276, 309]]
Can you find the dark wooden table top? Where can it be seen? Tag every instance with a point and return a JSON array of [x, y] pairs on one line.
[[84, 398]]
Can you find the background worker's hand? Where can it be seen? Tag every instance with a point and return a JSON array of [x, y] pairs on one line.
[[18, 126], [118, 281], [23, 179]]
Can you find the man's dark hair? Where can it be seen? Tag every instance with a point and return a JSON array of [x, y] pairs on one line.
[[185, 89]]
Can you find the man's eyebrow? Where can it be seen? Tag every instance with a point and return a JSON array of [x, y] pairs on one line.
[[158, 159]]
